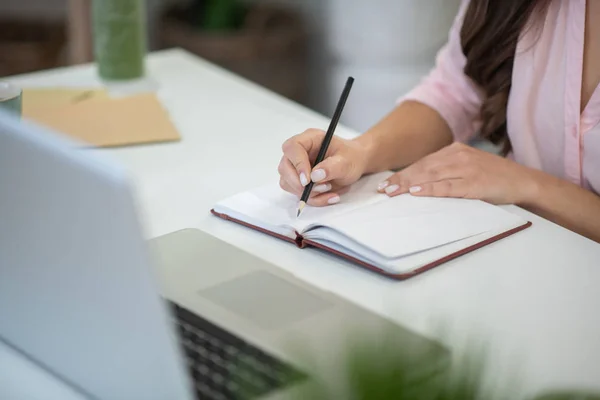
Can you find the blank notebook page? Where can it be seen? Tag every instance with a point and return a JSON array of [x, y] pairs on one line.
[[413, 261], [405, 224]]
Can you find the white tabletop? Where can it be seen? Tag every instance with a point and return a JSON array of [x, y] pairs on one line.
[[533, 295]]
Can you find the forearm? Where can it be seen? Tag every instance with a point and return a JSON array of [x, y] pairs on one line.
[[411, 131], [565, 203]]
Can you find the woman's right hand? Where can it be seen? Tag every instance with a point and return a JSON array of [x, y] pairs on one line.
[[344, 163]]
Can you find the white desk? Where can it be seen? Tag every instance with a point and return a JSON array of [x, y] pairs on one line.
[[534, 295]]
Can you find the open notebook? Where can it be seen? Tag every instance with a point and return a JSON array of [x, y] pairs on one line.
[[399, 236]]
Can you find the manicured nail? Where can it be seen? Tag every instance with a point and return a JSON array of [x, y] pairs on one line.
[[383, 185], [322, 188], [318, 175], [334, 200], [303, 179], [415, 189], [391, 189]]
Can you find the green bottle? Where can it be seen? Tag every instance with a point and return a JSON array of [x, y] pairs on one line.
[[119, 31]]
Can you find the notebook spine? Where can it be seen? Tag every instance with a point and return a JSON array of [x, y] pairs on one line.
[[300, 241]]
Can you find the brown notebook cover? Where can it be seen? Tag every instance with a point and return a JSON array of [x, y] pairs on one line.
[[302, 243]]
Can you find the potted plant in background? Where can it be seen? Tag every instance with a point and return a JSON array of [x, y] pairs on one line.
[[263, 43]]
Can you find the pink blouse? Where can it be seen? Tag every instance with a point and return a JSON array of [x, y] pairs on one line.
[[545, 126]]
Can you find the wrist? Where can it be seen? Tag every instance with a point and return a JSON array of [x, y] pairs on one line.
[[367, 146], [532, 189]]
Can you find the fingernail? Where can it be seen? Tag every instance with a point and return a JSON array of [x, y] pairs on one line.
[[303, 179], [383, 185], [334, 200], [322, 188], [415, 189], [318, 175], [391, 189]]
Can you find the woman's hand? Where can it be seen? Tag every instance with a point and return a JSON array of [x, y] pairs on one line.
[[344, 164], [462, 171]]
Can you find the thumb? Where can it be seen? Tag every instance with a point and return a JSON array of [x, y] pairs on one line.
[[332, 168]]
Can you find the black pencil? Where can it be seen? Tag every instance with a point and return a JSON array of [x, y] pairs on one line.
[[325, 145]]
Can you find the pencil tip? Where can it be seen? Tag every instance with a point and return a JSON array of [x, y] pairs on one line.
[[300, 208]]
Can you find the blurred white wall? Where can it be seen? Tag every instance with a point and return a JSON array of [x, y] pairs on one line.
[[386, 45]]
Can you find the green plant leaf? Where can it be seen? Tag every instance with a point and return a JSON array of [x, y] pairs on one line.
[[222, 15]]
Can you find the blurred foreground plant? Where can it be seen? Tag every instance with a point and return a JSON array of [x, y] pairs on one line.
[[381, 370]]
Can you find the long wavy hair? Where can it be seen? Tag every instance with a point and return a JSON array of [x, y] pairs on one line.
[[489, 36]]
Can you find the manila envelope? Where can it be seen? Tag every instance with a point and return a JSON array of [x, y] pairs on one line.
[[112, 122], [36, 100]]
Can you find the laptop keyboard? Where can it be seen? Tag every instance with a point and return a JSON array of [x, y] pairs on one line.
[[225, 367]]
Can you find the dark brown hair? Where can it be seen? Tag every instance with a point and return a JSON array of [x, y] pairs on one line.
[[489, 36]]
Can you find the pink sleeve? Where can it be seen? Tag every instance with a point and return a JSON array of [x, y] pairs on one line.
[[448, 90]]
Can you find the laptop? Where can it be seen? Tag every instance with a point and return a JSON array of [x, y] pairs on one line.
[[115, 316]]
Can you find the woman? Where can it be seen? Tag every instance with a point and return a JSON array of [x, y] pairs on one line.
[[522, 73]]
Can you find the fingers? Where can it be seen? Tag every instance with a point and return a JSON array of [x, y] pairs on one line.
[[297, 149], [289, 175], [456, 188], [437, 167], [319, 197], [317, 189], [292, 181], [452, 187], [394, 185], [332, 168], [327, 199]]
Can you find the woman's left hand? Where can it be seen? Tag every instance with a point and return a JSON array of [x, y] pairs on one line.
[[463, 171]]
